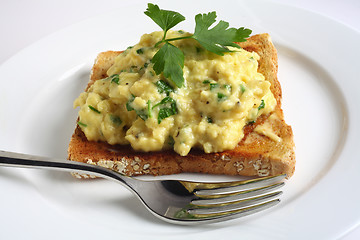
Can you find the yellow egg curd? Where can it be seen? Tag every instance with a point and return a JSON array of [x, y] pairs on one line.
[[221, 94]]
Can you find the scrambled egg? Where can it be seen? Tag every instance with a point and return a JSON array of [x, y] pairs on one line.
[[221, 94]]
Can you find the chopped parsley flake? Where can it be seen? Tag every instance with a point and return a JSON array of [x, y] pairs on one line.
[[164, 87], [213, 85], [262, 105], [167, 108], [94, 109], [221, 97], [206, 81], [116, 120], [140, 51], [242, 88], [128, 104], [81, 124]]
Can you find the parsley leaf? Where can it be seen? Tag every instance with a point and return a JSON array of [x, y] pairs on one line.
[[164, 101], [164, 113], [167, 108], [164, 18], [170, 60], [220, 37]]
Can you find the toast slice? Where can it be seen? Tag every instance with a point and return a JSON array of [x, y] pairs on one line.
[[260, 153]]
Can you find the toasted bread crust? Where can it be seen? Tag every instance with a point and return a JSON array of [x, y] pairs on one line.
[[255, 155]]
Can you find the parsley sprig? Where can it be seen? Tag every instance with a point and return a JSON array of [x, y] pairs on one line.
[[169, 60]]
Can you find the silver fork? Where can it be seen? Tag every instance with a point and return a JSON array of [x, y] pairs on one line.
[[180, 202]]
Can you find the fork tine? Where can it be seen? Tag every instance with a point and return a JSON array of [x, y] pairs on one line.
[[242, 212], [214, 189], [190, 216], [233, 207], [230, 200], [235, 197]]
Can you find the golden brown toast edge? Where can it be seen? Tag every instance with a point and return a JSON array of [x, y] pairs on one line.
[[255, 155]]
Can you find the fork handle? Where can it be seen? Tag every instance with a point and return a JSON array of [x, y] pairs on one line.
[[11, 159]]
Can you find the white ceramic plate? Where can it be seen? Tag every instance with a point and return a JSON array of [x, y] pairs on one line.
[[318, 71]]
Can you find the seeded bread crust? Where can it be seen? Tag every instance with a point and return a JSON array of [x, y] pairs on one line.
[[255, 155]]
